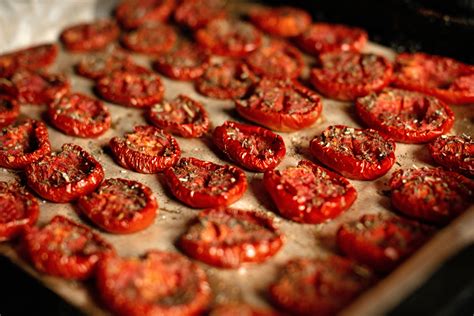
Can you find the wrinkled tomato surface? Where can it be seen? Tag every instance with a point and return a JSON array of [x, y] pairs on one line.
[[454, 153], [31, 58], [9, 110], [196, 14], [86, 37], [240, 309], [281, 21], [156, 38], [133, 13]]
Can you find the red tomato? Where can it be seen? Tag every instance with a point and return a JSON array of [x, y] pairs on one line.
[[454, 153], [120, 206], [309, 193], [240, 309], [133, 13], [79, 115], [323, 38], [319, 286], [182, 116], [431, 194], [203, 184], [360, 154], [160, 283], [254, 148], [348, 75], [280, 105], [9, 110], [277, 59], [65, 249], [405, 116], [156, 38], [31, 58], [445, 78], [228, 79], [281, 21], [86, 37], [226, 37], [18, 210], [186, 62], [146, 150], [382, 243], [195, 14], [228, 238], [65, 175], [131, 89], [23, 143]]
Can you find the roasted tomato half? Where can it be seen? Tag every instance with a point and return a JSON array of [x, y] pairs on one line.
[[86, 37], [65, 175], [133, 13], [309, 193], [18, 210], [146, 150], [241, 309], [156, 38], [454, 153], [380, 242], [228, 238], [431, 194], [23, 143], [445, 78], [31, 58], [9, 110], [196, 14], [360, 154], [281, 21], [203, 184], [254, 148], [181, 116], [405, 116], [160, 283], [319, 286], [120, 206], [65, 249], [348, 75], [280, 105]]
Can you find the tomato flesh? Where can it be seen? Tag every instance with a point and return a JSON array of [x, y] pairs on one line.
[[454, 153]]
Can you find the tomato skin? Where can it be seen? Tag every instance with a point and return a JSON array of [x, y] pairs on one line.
[[196, 14], [291, 200], [431, 194], [87, 37], [98, 206], [405, 116], [195, 125], [46, 248], [442, 77], [150, 39], [15, 218], [241, 309], [211, 238], [380, 242], [31, 58], [346, 76], [205, 197], [95, 125], [454, 153], [279, 116], [13, 158], [133, 13], [137, 159], [360, 154], [42, 172], [236, 149], [322, 38], [9, 110], [151, 285], [282, 21]]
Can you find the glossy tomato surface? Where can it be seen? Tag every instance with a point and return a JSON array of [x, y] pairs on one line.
[[454, 153]]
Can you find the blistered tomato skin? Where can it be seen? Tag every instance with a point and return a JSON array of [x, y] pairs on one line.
[[9, 110], [454, 153], [229, 238], [23, 143], [31, 58], [280, 105], [159, 283], [405, 116], [66, 175], [360, 154], [196, 14], [18, 210], [65, 249], [86, 37], [431, 194], [132, 14], [120, 206], [146, 150], [281, 21], [254, 148], [150, 39], [203, 184], [309, 193]]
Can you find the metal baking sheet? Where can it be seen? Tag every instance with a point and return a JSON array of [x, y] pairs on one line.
[[247, 284]]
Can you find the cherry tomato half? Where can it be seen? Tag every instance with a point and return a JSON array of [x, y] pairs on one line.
[[228, 238], [361, 154], [195, 14], [65, 175], [281, 21], [86, 37], [156, 38], [454, 153], [203, 184], [133, 13], [31, 58], [9, 110], [254, 148], [146, 150]]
